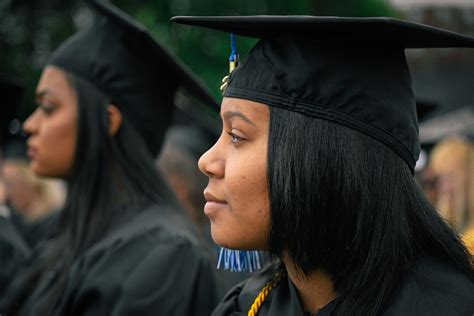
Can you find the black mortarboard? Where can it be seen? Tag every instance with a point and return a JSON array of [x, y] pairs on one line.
[[351, 71], [11, 90], [119, 57]]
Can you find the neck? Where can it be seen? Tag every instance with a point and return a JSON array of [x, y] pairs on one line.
[[315, 289]]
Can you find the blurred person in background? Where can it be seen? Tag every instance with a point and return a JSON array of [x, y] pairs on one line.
[[184, 144], [34, 201], [428, 180], [178, 163], [105, 100], [452, 165]]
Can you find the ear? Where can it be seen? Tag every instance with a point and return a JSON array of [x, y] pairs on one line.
[[115, 119]]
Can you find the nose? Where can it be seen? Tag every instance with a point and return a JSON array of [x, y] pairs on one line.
[[30, 126], [212, 162]]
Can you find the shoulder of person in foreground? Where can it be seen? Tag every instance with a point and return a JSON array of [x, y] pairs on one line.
[[152, 265], [239, 298], [434, 288], [281, 299]]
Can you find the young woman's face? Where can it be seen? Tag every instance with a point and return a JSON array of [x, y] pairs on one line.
[[237, 194], [53, 125]]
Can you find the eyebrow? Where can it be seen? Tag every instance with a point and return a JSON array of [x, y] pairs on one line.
[[231, 114]]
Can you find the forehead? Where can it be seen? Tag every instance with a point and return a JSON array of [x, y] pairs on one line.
[[53, 79], [256, 112]]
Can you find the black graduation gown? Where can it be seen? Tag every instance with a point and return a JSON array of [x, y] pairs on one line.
[[39, 230], [432, 289], [152, 265], [13, 250]]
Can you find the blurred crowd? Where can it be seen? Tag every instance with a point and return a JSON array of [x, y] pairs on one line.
[[448, 182]]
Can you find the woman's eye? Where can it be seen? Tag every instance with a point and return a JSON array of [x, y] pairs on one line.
[[46, 108], [234, 138]]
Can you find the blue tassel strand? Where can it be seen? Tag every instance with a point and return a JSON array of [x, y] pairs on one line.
[[239, 260], [234, 55]]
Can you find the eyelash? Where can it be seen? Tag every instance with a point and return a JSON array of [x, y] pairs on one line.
[[46, 108], [234, 138]]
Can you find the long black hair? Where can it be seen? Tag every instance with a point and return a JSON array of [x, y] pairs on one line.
[[346, 204], [113, 178]]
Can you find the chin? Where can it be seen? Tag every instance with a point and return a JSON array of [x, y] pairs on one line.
[[44, 172], [223, 242], [229, 241], [223, 238], [40, 172], [37, 169]]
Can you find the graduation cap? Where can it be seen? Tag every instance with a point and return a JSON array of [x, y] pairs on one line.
[[120, 58], [11, 90], [351, 71]]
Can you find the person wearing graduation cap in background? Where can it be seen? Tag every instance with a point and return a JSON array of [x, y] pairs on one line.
[[179, 156], [315, 164], [105, 100], [178, 163]]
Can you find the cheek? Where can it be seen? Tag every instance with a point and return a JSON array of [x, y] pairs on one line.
[[57, 148], [242, 230], [245, 225]]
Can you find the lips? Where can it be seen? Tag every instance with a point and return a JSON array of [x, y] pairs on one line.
[[211, 198], [213, 204], [32, 152]]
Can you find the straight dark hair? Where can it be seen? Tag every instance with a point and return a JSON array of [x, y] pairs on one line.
[[346, 204], [113, 179]]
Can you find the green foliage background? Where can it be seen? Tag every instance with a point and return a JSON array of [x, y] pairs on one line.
[[30, 30]]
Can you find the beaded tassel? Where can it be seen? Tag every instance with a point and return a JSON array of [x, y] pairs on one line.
[[239, 260], [233, 61]]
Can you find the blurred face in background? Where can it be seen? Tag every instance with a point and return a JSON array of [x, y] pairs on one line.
[[237, 194], [30, 196], [3, 194], [452, 161], [53, 126], [19, 187]]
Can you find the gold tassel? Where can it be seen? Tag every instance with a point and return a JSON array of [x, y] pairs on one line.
[[232, 65]]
